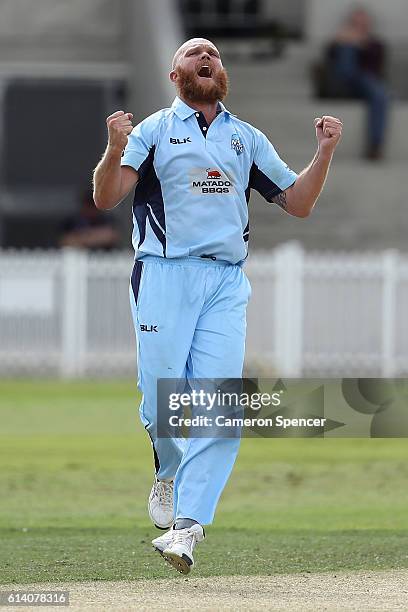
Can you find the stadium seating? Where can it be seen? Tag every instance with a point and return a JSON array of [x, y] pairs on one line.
[[363, 204]]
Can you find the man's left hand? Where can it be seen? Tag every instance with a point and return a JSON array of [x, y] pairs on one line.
[[328, 132]]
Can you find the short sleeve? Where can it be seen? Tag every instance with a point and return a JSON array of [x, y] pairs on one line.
[[141, 140], [269, 174]]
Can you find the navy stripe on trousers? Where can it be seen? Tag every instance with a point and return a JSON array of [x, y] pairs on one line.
[[135, 280]]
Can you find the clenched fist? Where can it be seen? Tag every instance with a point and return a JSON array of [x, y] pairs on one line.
[[328, 132], [119, 127]]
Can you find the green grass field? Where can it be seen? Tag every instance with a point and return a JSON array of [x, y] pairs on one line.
[[76, 470]]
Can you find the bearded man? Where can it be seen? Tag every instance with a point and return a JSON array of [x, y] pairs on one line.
[[193, 166]]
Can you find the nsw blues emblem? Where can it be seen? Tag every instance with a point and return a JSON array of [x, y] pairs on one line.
[[236, 144]]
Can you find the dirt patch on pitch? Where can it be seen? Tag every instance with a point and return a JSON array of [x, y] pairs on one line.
[[385, 590]]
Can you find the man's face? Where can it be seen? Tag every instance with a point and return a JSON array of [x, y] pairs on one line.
[[361, 20], [198, 72]]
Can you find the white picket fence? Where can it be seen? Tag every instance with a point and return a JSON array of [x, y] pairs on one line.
[[66, 313]]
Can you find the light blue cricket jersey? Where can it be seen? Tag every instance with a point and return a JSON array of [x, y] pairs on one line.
[[195, 182]]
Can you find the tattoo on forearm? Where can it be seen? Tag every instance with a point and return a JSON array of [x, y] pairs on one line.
[[280, 200]]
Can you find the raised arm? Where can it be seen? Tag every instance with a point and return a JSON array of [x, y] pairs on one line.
[[112, 182], [300, 198]]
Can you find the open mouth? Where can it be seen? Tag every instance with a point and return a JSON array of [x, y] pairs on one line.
[[205, 72]]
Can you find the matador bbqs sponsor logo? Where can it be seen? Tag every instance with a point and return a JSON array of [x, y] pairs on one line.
[[206, 181]]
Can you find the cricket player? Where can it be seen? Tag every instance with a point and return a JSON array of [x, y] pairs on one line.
[[193, 166]]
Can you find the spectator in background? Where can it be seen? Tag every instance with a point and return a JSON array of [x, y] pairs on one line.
[[356, 59], [89, 229]]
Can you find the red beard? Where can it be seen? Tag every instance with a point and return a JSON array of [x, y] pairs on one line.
[[191, 87]]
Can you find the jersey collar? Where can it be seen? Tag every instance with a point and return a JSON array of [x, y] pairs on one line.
[[183, 111]]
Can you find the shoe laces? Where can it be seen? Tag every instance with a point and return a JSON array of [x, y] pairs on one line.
[[164, 492], [184, 536]]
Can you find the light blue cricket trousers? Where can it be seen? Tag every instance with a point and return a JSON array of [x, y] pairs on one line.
[[190, 321]]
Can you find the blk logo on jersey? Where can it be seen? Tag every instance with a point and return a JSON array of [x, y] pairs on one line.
[[236, 144], [207, 181], [180, 140], [148, 328]]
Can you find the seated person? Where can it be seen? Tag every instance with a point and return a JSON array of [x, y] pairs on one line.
[[89, 229], [355, 62]]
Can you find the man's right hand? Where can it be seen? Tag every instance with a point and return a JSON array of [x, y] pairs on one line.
[[119, 127]]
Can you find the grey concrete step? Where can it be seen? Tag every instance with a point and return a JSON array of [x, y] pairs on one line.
[[290, 126], [62, 31], [274, 77], [363, 205]]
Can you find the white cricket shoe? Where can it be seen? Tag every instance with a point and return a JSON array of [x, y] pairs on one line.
[[180, 551], [163, 541], [160, 504]]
